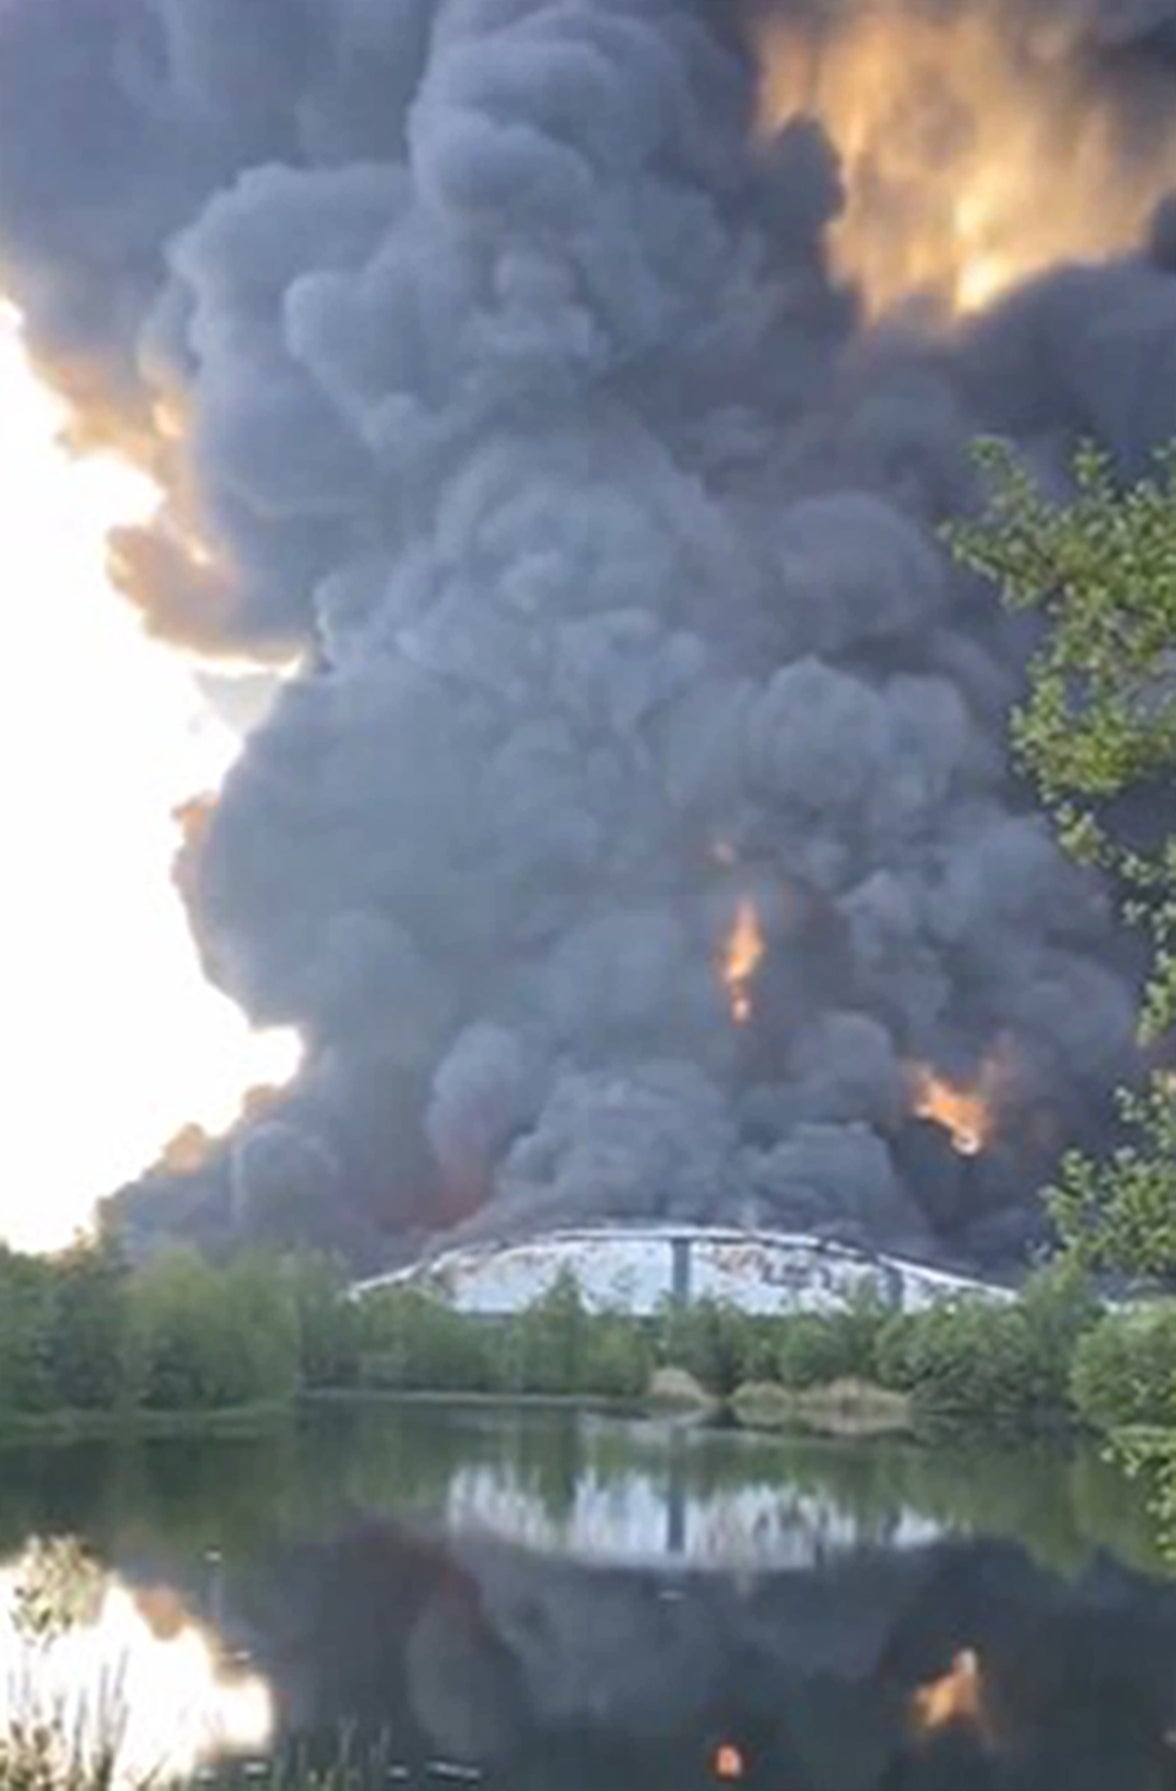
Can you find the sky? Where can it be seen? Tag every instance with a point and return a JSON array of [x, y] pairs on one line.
[[113, 1041]]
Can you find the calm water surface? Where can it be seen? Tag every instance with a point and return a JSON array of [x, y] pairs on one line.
[[546, 1601]]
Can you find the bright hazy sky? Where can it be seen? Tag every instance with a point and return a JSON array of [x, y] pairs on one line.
[[112, 1040]]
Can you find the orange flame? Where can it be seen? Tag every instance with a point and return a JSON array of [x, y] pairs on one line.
[[728, 1764], [972, 155], [187, 1151], [955, 1700], [193, 817], [966, 1113], [741, 958]]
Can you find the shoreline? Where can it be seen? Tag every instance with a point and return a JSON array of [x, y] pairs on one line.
[[851, 1411], [72, 1425]]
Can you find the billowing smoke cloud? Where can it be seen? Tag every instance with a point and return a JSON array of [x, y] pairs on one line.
[[488, 353]]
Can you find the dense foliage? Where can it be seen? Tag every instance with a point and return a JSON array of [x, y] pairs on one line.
[[1125, 1369], [80, 1333], [983, 1362], [971, 1361], [202, 1337], [1098, 736], [410, 1342], [63, 1331]]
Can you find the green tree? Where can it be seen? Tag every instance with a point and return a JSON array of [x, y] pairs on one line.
[[90, 1327], [260, 1342], [205, 1337], [328, 1321], [719, 1345], [27, 1303], [547, 1344], [410, 1341], [1124, 1370], [1098, 726], [816, 1348], [619, 1358]]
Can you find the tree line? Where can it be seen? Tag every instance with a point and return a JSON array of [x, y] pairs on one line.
[[81, 1333]]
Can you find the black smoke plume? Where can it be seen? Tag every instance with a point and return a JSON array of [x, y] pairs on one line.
[[500, 369]]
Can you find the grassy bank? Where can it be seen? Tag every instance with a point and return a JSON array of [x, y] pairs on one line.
[[75, 1426], [848, 1407]]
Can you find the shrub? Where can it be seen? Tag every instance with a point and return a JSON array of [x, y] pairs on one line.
[[718, 1345], [1059, 1307], [205, 1337], [412, 1342], [618, 1361], [26, 1333], [546, 1346], [328, 1322], [90, 1332], [813, 1349], [1124, 1370], [972, 1359], [977, 1358]]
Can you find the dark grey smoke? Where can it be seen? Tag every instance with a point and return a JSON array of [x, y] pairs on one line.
[[515, 387]]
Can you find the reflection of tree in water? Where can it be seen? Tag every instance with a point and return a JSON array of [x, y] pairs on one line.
[[1149, 1456], [239, 1495], [60, 1587]]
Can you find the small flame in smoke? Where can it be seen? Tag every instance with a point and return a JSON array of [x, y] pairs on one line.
[[728, 1763], [193, 817], [742, 953], [187, 1151], [966, 1113], [972, 156], [191, 1147], [955, 1700]]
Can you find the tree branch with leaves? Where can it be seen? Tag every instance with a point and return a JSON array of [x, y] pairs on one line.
[[1098, 726]]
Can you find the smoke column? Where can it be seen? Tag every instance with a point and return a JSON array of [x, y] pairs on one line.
[[500, 355]]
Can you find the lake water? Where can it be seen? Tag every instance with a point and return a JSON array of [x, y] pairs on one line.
[[545, 1601]]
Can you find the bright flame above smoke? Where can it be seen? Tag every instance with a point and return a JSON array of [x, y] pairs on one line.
[[973, 155], [741, 959]]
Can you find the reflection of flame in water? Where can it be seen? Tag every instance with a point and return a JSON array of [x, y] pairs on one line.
[[966, 1113], [970, 160], [175, 1700], [954, 1701], [741, 957]]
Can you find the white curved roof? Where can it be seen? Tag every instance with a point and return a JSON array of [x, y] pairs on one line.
[[638, 1269]]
